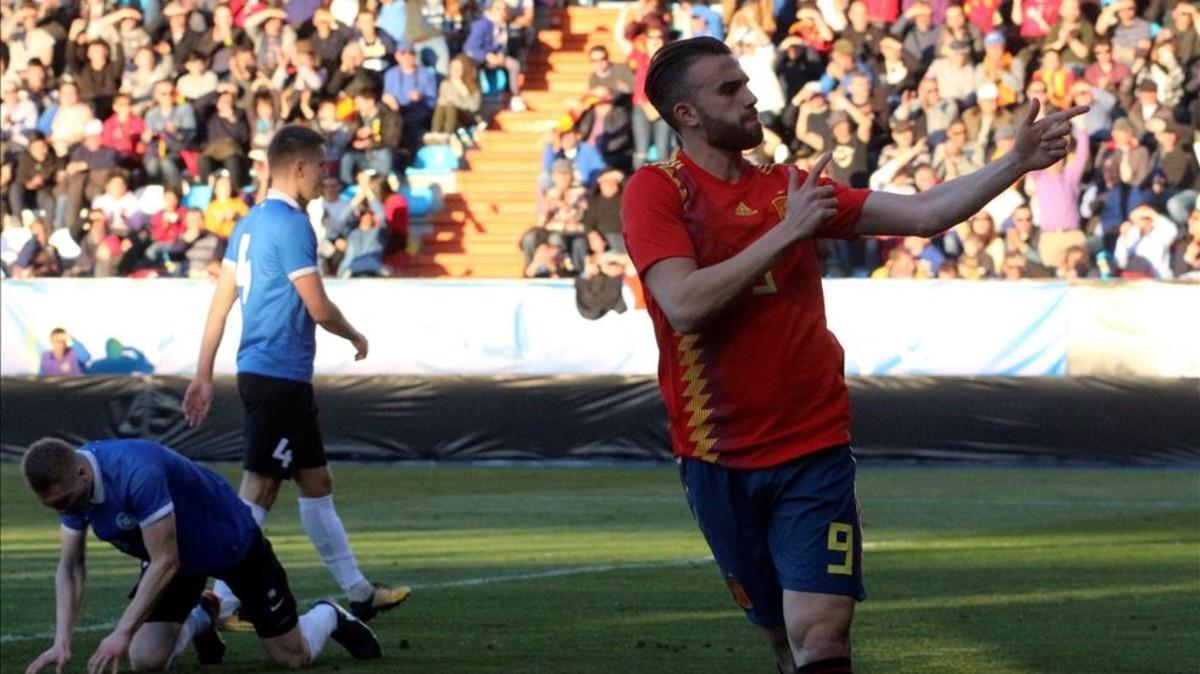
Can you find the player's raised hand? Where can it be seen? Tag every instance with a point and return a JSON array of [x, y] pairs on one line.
[[197, 401], [57, 655], [808, 202], [1039, 144]]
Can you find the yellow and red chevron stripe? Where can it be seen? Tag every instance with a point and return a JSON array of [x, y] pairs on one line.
[[701, 436]]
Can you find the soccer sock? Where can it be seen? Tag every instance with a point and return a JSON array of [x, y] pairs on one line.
[[197, 622], [328, 536], [316, 626], [827, 666], [229, 601]]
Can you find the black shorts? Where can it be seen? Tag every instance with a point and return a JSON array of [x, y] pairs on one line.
[[282, 435], [259, 581]]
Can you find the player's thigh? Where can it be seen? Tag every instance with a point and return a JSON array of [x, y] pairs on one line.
[[288, 649], [818, 621], [281, 430], [815, 531], [261, 584], [151, 646], [722, 502]]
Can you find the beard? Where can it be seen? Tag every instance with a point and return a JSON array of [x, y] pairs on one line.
[[732, 136]]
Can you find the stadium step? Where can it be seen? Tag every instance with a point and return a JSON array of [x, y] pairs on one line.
[[477, 234]]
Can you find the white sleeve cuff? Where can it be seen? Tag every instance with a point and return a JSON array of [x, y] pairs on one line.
[[302, 272], [157, 515], [226, 262]]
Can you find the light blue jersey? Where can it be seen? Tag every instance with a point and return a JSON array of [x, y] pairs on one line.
[[271, 247], [139, 483]]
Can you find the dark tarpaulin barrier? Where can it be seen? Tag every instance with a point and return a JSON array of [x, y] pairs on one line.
[[1105, 420]]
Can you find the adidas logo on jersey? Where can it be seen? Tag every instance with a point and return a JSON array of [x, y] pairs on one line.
[[743, 210]]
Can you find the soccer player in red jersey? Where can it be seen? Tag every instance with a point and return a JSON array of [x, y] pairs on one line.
[[752, 377]]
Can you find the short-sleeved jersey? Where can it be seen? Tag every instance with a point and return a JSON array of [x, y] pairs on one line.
[[762, 383], [271, 247], [138, 483]]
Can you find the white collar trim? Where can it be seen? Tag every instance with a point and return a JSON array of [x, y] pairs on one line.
[[285, 198], [98, 483]]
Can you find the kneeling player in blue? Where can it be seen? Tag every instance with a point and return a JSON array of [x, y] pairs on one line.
[[186, 524]]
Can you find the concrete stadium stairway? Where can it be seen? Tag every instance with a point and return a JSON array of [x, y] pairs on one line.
[[477, 232]]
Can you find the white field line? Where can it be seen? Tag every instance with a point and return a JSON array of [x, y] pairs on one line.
[[465, 582]]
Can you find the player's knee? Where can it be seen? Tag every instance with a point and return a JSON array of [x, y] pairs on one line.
[[144, 661], [824, 639], [291, 659]]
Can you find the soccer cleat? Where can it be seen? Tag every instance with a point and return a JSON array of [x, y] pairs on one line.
[[353, 634], [234, 623], [210, 648], [385, 598]]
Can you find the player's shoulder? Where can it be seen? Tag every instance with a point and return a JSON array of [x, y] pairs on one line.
[[652, 179]]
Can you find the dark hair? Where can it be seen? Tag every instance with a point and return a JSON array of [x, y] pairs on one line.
[[291, 143], [58, 331], [667, 83], [47, 462], [599, 49]]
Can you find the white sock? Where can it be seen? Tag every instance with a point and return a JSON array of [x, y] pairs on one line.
[[229, 601], [328, 536], [316, 626], [197, 622]]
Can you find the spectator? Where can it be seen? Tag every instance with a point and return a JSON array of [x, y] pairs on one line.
[[1108, 74], [1185, 262], [1058, 191], [1132, 157], [956, 75], [1072, 35], [900, 265], [1147, 107], [928, 110], [33, 179], [150, 66], [957, 156], [226, 207], [1057, 78], [606, 126], [274, 40], [166, 227], [337, 133], [896, 70], [38, 258], [974, 263], [377, 47], [458, 102], [88, 169], [395, 215], [1076, 264], [864, 35], [18, 114], [100, 251], [348, 75], [1097, 122], [957, 30], [364, 247], [219, 44], [1034, 18], [1144, 246], [329, 38], [1176, 174], [330, 214], [1110, 205], [198, 81], [411, 90], [264, 120], [123, 132], [902, 155], [983, 121], [1002, 69], [602, 216], [1023, 236], [70, 119], [228, 139], [1128, 32], [618, 77], [919, 34], [489, 45], [585, 158], [849, 164], [32, 42], [1183, 30], [649, 129], [176, 33], [560, 217], [198, 247], [66, 356], [983, 228], [813, 121], [928, 258], [1166, 73], [170, 129], [39, 85], [96, 70], [376, 135], [119, 205]]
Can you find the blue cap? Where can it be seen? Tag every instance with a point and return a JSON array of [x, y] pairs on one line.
[[405, 45]]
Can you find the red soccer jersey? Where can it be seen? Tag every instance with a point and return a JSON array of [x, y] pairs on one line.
[[762, 383]]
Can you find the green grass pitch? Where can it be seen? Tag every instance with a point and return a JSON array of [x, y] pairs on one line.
[[996, 570]]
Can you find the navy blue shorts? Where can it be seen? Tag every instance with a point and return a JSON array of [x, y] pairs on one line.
[[794, 526]]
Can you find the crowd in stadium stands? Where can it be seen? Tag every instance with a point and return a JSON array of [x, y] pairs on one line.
[[906, 94], [135, 131]]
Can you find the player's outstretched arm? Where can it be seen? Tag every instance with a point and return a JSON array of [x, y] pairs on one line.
[[68, 595], [159, 538], [198, 398], [326, 314], [690, 297], [1038, 145]]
